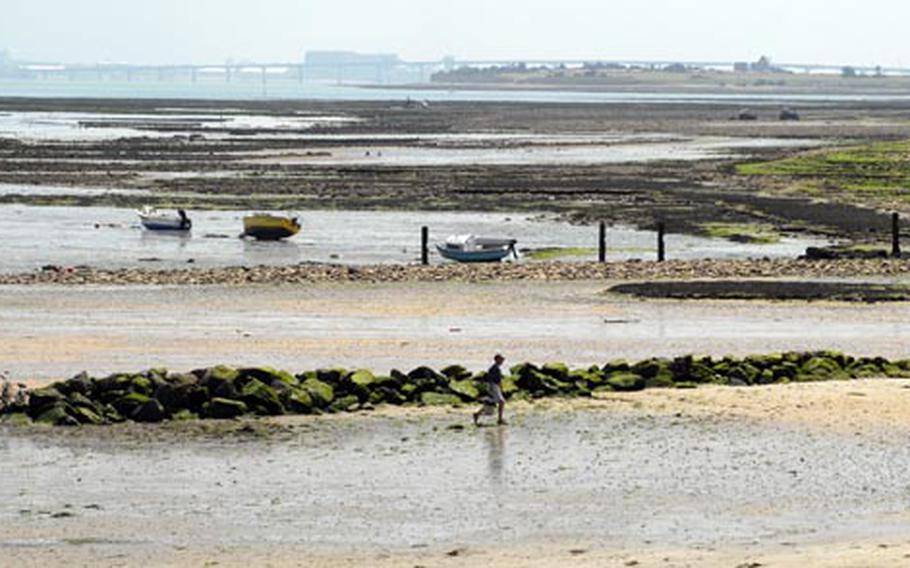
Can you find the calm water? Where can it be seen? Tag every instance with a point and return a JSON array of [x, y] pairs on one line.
[[111, 237], [285, 89]]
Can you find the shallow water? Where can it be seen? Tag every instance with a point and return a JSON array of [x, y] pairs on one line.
[[543, 150], [617, 479], [68, 126], [111, 237], [278, 89]]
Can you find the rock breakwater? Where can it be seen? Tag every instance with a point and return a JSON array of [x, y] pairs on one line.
[[224, 392]]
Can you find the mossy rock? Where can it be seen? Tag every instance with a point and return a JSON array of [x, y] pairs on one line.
[[590, 378], [223, 408], [297, 401], [79, 400], [508, 386], [439, 399], [85, 415], [865, 371], [40, 399], [456, 373], [663, 379], [150, 412], [184, 415], [409, 391], [821, 368], [269, 376], [261, 398], [686, 385], [322, 393], [650, 368], [118, 382], [766, 378], [466, 389], [556, 370], [128, 403], [522, 369], [221, 373], [80, 383], [626, 382], [893, 371], [347, 403], [175, 397], [616, 365], [763, 362], [142, 385], [363, 379], [387, 395], [332, 377], [16, 419], [56, 415], [425, 377]]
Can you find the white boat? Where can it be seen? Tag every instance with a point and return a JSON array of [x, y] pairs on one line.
[[470, 248], [155, 220]]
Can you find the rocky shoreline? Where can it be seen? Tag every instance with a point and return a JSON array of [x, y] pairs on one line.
[[224, 392], [549, 271]]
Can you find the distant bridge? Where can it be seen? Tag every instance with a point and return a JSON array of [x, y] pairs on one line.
[[373, 72]]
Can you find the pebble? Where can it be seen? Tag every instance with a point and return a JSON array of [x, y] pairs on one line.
[[555, 271]]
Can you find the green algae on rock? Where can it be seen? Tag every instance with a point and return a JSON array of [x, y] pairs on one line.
[[223, 392]]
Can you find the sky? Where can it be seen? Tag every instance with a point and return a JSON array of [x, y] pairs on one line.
[[872, 32]]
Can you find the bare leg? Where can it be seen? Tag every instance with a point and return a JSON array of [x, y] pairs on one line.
[[502, 406], [477, 417]]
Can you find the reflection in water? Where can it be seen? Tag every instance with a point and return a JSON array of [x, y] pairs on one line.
[[496, 449], [153, 239], [270, 252]]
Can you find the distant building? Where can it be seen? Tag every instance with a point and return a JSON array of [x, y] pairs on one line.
[[763, 65]]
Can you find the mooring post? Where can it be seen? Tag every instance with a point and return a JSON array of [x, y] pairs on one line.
[[425, 245], [896, 235], [602, 243], [661, 246]]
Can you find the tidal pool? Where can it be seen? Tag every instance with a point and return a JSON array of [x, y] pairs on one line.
[[35, 236]]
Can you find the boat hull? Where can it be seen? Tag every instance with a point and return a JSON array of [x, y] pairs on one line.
[[269, 228], [164, 224], [496, 255]]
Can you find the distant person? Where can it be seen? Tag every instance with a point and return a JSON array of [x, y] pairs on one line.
[[494, 389]]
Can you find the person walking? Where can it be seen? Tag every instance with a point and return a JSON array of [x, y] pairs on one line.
[[496, 402]]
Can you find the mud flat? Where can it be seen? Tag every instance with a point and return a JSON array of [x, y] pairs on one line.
[[626, 163], [717, 476], [53, 332]]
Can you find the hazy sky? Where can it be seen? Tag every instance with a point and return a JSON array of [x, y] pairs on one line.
[[199, 31]]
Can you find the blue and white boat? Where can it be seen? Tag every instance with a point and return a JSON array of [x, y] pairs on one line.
[[469, 248], [154, 220]]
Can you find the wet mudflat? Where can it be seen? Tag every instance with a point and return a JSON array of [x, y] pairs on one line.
[[604, 478], [49, 332]]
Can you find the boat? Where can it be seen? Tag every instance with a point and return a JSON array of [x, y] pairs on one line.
[[267, 227], [154, 220], [470, 248]]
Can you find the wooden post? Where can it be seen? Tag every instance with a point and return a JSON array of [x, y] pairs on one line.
[[602, 243], [425, 245], [895, 235], [661, 246]]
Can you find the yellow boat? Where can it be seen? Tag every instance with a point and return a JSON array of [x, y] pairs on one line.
[[266, 227]]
